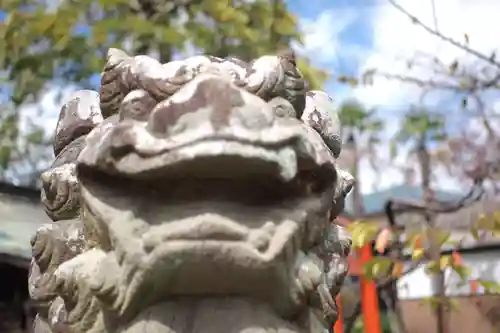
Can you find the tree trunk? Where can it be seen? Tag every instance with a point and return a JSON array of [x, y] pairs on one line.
[[358, 208], [394, 312], [435, 252], [148, 10], [274, 37], [165, 53], [389, 293]]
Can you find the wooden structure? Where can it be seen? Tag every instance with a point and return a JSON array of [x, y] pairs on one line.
[[20, 216], [417, 318], [478, 314], [369, 297]]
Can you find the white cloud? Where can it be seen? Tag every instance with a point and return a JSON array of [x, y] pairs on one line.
[[321, 42], [395, 40], [321, 35], [46, 111], [43, 114]]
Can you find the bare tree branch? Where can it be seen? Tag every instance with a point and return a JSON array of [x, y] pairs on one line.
[[444, 84], [438, 207], [432, 31]]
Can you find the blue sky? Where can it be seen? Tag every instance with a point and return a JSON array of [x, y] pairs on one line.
[[354, 22], [372, 34], [356, 32], [348, 36]]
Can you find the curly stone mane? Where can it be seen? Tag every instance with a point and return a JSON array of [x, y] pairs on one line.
[[191, 192]]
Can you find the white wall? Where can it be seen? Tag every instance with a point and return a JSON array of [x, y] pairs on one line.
[[485, 265]]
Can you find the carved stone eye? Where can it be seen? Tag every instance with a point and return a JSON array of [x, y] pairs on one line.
[[282, 108]]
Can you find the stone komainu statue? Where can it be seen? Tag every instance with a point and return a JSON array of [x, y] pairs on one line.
[[192, 197]]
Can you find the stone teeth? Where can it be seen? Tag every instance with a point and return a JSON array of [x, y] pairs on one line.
[[261, 238]]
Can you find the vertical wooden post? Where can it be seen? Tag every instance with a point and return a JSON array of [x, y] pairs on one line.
[[474, 287], [369, 299], [339, 325]]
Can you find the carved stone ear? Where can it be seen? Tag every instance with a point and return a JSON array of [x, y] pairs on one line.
[[60, 195], [78, 116], [345, 182], [320, 114]]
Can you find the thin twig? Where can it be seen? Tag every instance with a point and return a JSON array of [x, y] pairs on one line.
[[434, 15], [442, 84], [439, 207], [461, 46]]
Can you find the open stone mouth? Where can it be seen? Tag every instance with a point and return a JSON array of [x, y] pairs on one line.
[[236, 228], [257, 197], [210, 227], [211, 231]]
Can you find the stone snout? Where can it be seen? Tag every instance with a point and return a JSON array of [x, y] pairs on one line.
[[206, 246]]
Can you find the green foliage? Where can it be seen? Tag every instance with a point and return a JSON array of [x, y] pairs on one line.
[[16, 152], [490, 286], [42, 44], [355, 117], [422, 122], [361, 128], [415, 244], [363, 232], [377, 267], [448, 303], [384, 322], [68, 42], [416, 125], [315, 77], [489, 223]]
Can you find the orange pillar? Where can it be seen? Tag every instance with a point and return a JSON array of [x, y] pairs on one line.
[[369, 299], [339, 325], [473, 287]]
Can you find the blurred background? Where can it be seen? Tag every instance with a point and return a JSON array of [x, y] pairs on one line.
[[416, 85]]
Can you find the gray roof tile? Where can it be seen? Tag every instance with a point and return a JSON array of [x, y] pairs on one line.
[[19, 219]]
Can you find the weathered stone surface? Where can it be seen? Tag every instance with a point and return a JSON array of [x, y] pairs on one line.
[[320, 114], [193, 196]]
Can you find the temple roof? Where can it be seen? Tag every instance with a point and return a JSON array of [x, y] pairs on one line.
[[20, 215], [373, 203]]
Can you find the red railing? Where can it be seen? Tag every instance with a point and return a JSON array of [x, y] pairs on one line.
[[369, 297]]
